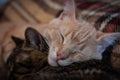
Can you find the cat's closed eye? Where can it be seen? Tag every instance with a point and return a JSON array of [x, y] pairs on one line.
[[62, 37]]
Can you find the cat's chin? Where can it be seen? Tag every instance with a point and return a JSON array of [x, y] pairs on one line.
[[59, 62], [64, 62]]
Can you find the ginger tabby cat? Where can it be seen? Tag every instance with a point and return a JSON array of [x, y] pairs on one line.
[[70, 40]]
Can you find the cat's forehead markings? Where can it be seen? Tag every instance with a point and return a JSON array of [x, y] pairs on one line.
[[59, 22]]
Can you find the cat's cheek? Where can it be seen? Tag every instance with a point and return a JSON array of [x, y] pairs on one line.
[[52, 62]]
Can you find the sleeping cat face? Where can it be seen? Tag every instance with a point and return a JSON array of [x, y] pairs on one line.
[[71, 40], [67, 46], [72, 45]]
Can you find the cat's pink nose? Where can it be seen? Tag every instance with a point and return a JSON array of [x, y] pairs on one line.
[[59, 56]]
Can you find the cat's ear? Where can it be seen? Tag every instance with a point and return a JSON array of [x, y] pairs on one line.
[[18, 41], [105, 40], [68, 11], [32, 38]]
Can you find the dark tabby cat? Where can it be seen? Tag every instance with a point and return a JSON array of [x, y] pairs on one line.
[[28, 56], [88, 70], [27, 62]]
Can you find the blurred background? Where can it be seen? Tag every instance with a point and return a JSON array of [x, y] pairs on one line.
[[42, 11]]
